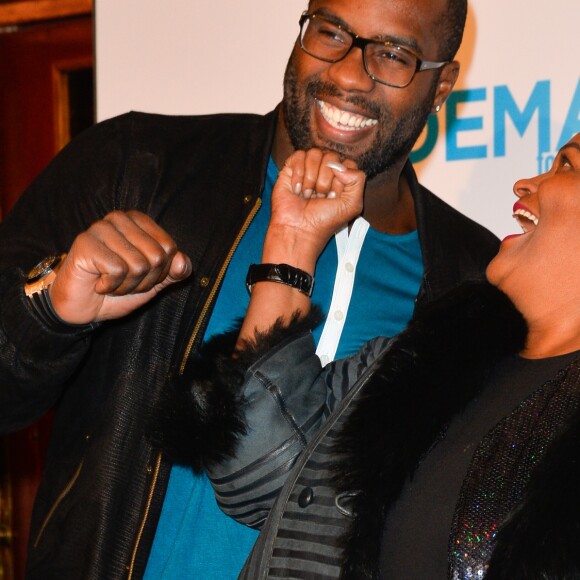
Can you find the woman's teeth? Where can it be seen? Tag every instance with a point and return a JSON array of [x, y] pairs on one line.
[[525, 218]]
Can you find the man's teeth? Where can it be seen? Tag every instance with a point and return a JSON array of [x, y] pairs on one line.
[[524, 213], [343, 119]]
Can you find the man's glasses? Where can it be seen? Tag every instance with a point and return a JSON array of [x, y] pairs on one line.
[[384, 62]]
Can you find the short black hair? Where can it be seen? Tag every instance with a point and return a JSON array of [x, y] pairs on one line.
[[451, 26]]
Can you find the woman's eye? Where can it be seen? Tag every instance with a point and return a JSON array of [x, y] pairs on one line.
[[565, 162], [568, 158]]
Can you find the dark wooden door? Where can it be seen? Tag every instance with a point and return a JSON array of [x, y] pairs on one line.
[[46, 97], [43, 67]]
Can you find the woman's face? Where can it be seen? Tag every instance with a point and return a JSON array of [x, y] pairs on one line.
[[545, 258]]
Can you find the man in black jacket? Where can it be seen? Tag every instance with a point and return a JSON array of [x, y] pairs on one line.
[[448, 451], [146, 226]]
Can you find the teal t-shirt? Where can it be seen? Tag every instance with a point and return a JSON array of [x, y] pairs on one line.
[[194, 539]]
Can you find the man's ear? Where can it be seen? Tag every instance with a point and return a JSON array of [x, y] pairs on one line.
[[445, 84]]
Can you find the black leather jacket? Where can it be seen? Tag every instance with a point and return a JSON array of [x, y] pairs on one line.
[[200, 178]]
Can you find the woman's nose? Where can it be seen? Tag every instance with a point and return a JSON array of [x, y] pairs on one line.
[[523, 187]]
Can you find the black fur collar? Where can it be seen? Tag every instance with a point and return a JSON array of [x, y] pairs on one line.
[[432, 370], [200, 415]]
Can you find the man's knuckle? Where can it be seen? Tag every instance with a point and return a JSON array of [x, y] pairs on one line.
[[158, 259]]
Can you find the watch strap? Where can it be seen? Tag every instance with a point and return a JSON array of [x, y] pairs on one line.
[[42, 305], [36, 287], [281, 273]]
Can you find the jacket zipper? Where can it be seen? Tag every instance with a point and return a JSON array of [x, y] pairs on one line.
[[145, 514], [219, 278], [188, 349], [57, 502]]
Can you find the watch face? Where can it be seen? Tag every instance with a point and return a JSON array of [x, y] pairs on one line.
[[43, 268]]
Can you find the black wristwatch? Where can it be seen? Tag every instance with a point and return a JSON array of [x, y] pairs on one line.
[[281, 273], [36, 286]]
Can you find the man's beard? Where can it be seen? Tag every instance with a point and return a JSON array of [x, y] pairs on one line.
[[394, 139]]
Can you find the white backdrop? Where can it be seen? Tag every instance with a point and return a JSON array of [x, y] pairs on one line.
[[517, 100]]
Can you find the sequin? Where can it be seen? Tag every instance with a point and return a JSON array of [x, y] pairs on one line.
[[500, 470]]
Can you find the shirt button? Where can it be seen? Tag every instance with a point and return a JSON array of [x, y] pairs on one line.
[[306, 497], [349, 267], [338, 315]]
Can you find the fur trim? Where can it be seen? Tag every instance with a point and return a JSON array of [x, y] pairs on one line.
[[432, 370], [541, 539], [278, 334], [200, 415]]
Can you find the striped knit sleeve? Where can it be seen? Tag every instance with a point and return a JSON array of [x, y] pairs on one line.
[[287, 398], [284, 401], [340, 375]]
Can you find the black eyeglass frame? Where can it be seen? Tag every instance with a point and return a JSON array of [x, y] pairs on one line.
[[361, 42]]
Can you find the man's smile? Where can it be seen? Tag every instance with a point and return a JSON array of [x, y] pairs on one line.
[[343, 120]]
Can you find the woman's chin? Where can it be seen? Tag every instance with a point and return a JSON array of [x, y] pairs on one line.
[[491, 273]]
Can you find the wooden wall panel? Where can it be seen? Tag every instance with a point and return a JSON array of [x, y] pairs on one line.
[[41, 65]]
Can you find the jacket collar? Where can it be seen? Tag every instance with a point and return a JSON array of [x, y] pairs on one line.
[[443, 271]]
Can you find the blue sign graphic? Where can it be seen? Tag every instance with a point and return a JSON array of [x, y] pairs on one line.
[[505, 107]]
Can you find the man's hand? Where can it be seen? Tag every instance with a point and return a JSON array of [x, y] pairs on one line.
[[116, 266]]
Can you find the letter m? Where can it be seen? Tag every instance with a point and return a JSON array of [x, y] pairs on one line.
[[505, 106]]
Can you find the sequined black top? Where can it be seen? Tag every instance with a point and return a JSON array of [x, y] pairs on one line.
[[447, 516]]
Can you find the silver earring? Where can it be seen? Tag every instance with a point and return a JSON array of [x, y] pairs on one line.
[[437, 108]]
